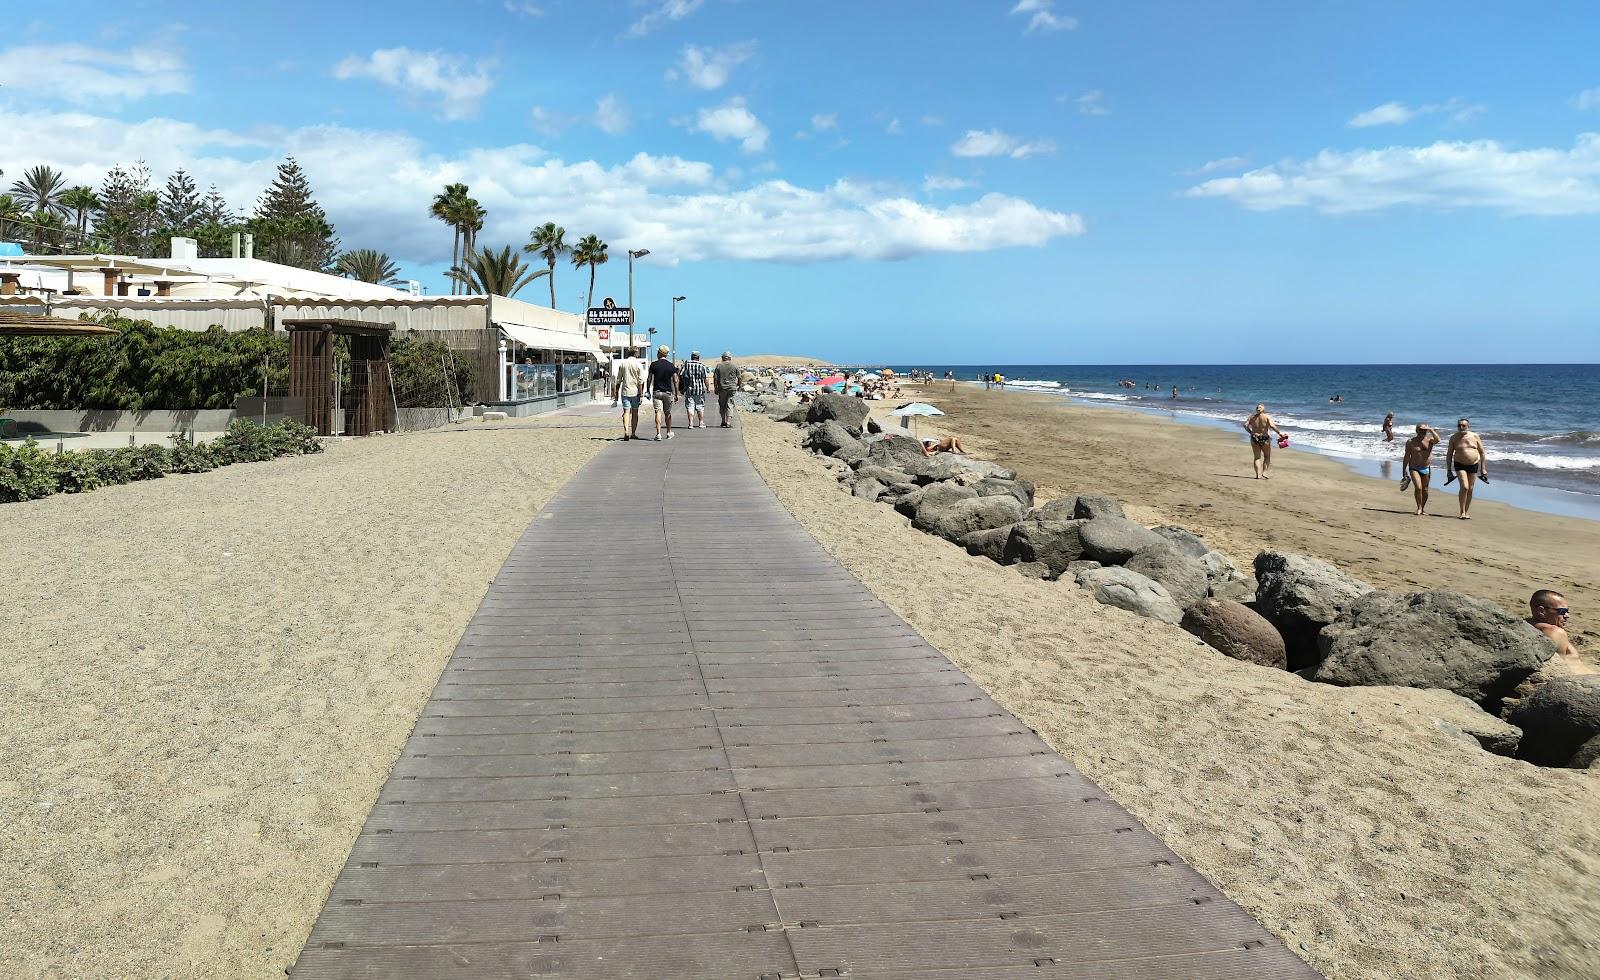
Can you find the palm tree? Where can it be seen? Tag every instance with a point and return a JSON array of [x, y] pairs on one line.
[[549, 240], [48, 231], [81, 200], [498, 273], [11, 211], [472, 218], [40, 189], [590, 251], [447, 207], [368, 265]]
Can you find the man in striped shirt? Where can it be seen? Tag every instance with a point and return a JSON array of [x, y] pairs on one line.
[[694, 379]]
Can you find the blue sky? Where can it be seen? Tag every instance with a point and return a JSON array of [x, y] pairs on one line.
[[908, 180]]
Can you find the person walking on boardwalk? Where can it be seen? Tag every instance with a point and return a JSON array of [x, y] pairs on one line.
[[1418, 465], [1465, 459], [726, 380], [1261, 427], [629, 387], [694, 380], [663, 390]]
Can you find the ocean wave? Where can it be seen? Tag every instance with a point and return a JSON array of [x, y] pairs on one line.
[[1033, 384], [1369, 449], [1578, 437], [1106, 396]]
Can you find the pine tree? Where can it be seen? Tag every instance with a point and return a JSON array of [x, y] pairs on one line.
[[214, 209], [289, 226], [180, 205], [117, 221], [215, 225]]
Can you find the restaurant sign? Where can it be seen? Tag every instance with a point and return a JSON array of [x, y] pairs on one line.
[[610, 315]]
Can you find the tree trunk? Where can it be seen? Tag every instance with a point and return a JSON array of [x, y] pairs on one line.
[[552, 278], [455, 258]]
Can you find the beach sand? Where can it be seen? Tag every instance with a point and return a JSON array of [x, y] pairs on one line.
[[1200, 477], [1374, 844], [207, 678]]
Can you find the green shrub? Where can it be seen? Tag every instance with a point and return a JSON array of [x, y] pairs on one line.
[[28, 473], [25, 473]]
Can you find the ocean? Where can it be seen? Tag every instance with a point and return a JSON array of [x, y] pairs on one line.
[[1540, 424]]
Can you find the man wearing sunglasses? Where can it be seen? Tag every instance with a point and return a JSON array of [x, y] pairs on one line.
[[1550, 618]]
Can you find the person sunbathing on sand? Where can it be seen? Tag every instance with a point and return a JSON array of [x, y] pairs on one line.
[[948, 444], [1261, 427], [1549, 617]]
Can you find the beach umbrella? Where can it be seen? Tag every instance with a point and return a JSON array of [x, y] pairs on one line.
[[869, 376], [912, 410], [831, 379]]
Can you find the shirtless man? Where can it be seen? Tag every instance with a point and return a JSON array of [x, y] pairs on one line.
[[1419, 464], [1464, 459], [1261, 427], [1549, 617]]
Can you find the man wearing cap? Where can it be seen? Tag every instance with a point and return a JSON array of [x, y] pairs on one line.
[[663, 389], [726, 380], [693, 379]]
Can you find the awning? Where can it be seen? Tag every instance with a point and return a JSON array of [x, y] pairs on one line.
[[543, 338]]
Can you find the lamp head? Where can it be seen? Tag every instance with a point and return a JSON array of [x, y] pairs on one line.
[[641, 253], [679, 299]]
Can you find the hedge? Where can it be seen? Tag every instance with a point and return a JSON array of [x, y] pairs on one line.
[[147, 368], [28, 472]]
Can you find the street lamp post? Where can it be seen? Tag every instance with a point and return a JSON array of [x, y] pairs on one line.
[[675, 301], [641, 253]]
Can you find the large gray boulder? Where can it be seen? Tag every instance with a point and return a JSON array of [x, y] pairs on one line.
[[868, 489], [1430, 639], [953, 521], [1055, 543], [1224, 580], [989, 543], [799, 415], [1300, 595], [1133, 592], [1113, 540], [983, 468], [1060, 509], [851, 452], [935, 468], [991, 486], [1183, 540], [1560, 722], [894, 451], [1088, 507], [1184, 577], [1235, 630], [827, 436], [933, 496], [847, 410]]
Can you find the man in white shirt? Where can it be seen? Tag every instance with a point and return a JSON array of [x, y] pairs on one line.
[[629, 387]]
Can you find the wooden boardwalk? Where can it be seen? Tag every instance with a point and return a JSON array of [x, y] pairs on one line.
[[679, 741]]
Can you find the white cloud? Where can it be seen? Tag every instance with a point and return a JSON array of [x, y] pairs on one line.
[[931, 120], [549, 121], [1043, 16], [1388, 114], [733, 121], [1589, 98], [823, 121], [710, 68], [1397, 113], [610, 116], [661, 12], [448, 80], [894, 128], [1092, 104], [1478, 174], [521, 9], [676, 205], [86, 75], [994, 143], [1212, 166], [940, 182]]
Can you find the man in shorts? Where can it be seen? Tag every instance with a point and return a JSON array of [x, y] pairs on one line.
[[694, 378], [1261, 427], [1464, 459], [629, 387], [1418, 465], [663, 389], [726, 380]]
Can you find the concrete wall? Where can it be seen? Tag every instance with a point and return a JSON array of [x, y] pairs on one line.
[[112, 430]]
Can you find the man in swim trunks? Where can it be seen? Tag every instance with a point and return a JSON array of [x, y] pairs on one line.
[[1549, 617], [1261, 427], [1419, 464], [1464, 458]]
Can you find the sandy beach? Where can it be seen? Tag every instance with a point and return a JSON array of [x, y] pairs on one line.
[[1374, 844], [208, 677], [1200, 477]]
